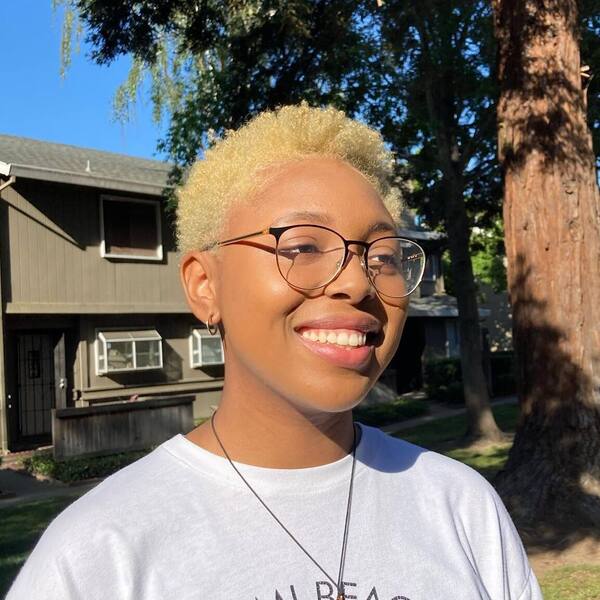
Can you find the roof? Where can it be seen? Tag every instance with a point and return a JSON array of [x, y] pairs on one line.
[[34, 159], [49, 161], [438, 305]]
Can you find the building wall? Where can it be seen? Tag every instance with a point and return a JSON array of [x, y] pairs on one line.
[[499, 321], [176, 376], [51, 262], [54, 279]]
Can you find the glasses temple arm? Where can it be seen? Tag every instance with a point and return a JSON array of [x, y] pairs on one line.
[[242, 237]]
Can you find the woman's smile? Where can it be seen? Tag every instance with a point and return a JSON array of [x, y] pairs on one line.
[[341, 354], [343, 340]]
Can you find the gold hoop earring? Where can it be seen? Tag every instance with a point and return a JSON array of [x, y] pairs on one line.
[[212, 329]]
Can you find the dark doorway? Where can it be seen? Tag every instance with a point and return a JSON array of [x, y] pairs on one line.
[[407, 361], [41, 384]]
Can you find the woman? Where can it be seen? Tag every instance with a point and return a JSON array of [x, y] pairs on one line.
[[289, 249]]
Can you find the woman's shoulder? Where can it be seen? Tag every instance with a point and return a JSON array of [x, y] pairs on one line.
[[116, 499], [397, 459]]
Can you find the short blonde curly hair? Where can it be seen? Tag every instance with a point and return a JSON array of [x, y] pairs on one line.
[[228, 172]]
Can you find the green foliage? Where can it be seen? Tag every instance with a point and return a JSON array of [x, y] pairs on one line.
[[488, 255], [443, 380], [76, 469], [382, 414]]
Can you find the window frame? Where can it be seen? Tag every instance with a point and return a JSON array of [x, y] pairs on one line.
[[98, 342], [196, 333], [158, 217]]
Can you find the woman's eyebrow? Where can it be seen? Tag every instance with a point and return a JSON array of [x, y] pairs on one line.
[[381, 227]]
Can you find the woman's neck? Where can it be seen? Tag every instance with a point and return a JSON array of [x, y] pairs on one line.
[[258, 427]]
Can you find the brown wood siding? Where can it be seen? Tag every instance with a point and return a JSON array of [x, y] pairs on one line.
[[53, 245], [176, 370]]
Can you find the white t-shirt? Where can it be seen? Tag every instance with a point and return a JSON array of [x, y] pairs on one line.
[[179, 524]]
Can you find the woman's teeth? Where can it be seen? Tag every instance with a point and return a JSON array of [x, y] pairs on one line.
[[341, 338]]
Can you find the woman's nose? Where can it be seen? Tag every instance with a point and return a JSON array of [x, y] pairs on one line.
[[353, 279]]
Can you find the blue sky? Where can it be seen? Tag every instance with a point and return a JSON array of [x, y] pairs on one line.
[[35, 102]]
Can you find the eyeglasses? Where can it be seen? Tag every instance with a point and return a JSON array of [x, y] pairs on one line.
[[311, 256]]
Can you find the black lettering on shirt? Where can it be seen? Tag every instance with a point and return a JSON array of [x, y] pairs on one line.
[[329, 593], [346, 584], [373, 594], [278, 596]]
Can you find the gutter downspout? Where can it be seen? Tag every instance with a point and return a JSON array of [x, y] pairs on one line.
[[4, 401]]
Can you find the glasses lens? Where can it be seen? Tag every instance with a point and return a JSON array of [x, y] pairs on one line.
[[395, 266], [309, 257]]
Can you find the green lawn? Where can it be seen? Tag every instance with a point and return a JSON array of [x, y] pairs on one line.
[[580, 582], [435, 434], [382, 414], [22, 525], [21, 528], [444, 435]]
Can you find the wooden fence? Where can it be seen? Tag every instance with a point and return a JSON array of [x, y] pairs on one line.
[[110, 428]]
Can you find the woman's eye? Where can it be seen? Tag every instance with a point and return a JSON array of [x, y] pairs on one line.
[[384, 259], [294, 249]]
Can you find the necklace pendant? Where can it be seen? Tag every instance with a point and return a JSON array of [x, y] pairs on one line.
[[341, 597]]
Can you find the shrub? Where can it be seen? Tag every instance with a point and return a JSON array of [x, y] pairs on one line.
[[443, 380], [77, 469]]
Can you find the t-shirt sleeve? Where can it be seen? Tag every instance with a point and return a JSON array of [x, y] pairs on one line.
[[516, 580], [532, 589], [42, 576], [80, 556]]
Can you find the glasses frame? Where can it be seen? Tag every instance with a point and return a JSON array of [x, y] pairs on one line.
[[277, 232]]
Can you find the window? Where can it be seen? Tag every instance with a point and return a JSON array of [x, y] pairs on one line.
[[432, 267], [205, 348], [130, 228], [452, 338], [118, 351]]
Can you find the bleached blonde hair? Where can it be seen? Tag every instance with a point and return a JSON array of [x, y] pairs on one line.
[[230, 170]]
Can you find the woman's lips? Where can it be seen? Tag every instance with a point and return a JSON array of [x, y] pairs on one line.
[[342, 356]]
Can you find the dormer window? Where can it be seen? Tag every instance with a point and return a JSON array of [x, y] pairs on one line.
[[130, 228]]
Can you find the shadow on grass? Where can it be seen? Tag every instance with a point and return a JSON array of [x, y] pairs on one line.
[[22, 526]]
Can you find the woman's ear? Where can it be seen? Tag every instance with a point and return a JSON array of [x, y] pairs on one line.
[[199, 272]]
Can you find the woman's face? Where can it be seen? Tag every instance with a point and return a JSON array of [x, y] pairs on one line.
[[268, 325]]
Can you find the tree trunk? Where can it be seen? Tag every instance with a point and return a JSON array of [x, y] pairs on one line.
[[441, 108], [481, 424], [552, 224]]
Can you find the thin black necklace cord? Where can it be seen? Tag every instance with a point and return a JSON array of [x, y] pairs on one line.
[[339, 584]]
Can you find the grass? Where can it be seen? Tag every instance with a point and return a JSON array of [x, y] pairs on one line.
[[444, 435], [400, 409], [435, 434], [22, 526], [578, 582]]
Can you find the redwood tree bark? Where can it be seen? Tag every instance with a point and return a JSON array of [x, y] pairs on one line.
[[552, 224]]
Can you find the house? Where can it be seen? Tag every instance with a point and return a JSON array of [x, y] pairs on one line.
[[92, 308]]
